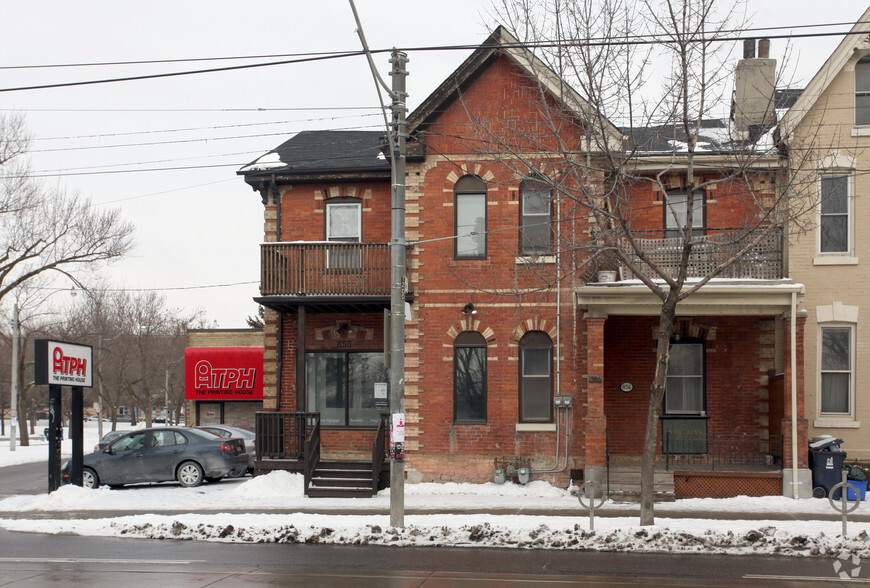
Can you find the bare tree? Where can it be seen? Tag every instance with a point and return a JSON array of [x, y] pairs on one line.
[[610, 131], [43, 228]]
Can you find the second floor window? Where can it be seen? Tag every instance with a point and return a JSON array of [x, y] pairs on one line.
[[535, 218], [676, 215], [834, 214], [343, 225], [470, 217], [862, 92]]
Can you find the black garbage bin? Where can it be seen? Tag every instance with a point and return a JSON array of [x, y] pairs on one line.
[[827, 468]]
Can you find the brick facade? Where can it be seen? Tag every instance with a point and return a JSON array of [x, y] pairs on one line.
[[593, 353]]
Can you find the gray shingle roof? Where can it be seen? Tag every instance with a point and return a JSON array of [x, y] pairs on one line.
[[322, 152]]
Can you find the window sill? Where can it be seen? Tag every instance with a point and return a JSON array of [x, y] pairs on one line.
[[835, 260], [861, 131], [535, 427], [836, 423], [528, 259]]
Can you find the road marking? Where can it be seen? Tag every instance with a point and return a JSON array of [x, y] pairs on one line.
[[98, 560], [808, 579]]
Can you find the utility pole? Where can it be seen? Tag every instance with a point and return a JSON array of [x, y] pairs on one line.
[[397, 287], [13, 413]]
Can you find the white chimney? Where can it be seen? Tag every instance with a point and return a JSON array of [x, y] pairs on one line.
[[752, 104]]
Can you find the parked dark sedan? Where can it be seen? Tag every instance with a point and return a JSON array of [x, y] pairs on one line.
[[108, 438], [227, 431], [159, 455]]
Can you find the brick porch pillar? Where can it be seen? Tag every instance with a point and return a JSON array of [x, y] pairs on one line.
[[595, 422], [796, 375]]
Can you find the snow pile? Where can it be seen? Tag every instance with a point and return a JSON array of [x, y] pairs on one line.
[[266, 488], [524, 532]]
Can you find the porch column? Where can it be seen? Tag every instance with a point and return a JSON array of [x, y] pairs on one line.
[[795, 375], [595, 423]]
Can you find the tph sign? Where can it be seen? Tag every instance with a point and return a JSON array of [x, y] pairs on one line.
[[63, 364]]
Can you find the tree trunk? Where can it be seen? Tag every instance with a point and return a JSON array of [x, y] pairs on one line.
[[657, 394], [23, 436]]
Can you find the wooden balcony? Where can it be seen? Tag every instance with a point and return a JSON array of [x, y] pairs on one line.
[[763, 262], [325, 269]]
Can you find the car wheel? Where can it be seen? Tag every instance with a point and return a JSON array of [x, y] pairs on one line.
[[89, 478], [190, 474]]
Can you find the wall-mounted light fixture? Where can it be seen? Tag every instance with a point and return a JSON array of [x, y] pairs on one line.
[[469, 309]]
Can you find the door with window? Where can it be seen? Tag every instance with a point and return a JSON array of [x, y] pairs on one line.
[[684, 422]]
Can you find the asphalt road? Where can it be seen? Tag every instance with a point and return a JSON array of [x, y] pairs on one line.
[[45, 560], [27, 478]]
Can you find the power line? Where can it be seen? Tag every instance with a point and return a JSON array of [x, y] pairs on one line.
[[589, 42]]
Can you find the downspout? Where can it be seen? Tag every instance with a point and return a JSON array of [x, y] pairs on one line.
[[273, 187], [794, 424]]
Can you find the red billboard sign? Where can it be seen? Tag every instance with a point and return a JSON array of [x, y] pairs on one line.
[[223, 373]]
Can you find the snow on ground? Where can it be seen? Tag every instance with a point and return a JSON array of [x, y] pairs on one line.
[[444, 515], [344, 521]]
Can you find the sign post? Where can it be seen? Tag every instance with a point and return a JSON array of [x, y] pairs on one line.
[[59, 364]]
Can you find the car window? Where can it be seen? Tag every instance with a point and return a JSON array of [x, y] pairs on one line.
[[180, 439], [221, 432], [134, 441], [162, 438]]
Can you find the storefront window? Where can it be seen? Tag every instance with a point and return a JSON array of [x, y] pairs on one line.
[[347, 388]]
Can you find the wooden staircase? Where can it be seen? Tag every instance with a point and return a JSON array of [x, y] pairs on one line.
[[342, 479]]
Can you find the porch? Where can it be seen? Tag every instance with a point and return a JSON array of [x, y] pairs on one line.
[[724, 417], [291, 441]]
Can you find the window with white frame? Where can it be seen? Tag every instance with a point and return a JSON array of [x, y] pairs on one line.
[[343, 225], [834, 217], [536, 231], [862, 92], [836, 363]]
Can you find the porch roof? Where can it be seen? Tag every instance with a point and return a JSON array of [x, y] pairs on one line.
[[718, 297]]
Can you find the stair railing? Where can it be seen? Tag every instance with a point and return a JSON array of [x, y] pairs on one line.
[[379, 450], [312, 452]]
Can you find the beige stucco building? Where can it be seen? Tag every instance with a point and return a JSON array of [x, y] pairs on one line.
[[827, 136]]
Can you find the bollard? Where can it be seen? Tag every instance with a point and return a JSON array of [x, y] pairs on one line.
[[593, 486], [844, 507]]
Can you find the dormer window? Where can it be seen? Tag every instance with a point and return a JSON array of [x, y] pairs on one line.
[[862, 92]]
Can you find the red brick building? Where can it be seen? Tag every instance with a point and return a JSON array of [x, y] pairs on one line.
[[516, 354]]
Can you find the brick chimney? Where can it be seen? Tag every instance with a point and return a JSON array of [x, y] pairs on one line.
[[752, 103]]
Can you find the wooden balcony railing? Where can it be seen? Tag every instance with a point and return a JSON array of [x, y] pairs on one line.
[[763, 261], [311, 269]]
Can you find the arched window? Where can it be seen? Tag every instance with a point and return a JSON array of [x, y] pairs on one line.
[[684, 393], [469, 378], [470, 217], [536, 234], [536, 378], [862, 92]]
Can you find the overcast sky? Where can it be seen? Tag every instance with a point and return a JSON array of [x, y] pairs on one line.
[[199, 229]]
